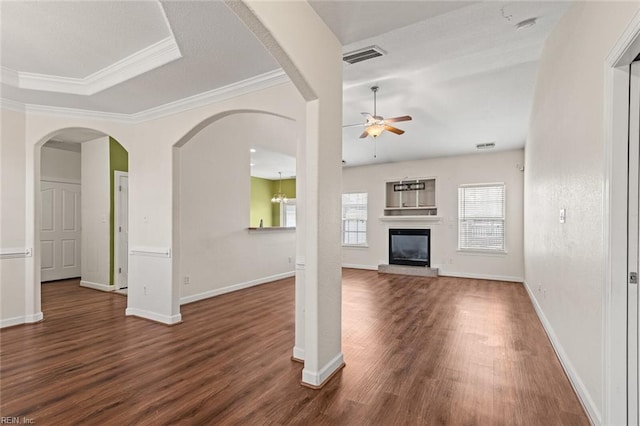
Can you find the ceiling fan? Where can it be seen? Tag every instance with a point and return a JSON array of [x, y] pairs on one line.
[[377, 124]]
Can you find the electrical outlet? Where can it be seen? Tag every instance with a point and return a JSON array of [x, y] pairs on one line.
[[187, 279]]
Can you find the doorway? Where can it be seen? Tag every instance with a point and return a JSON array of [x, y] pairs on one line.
[[60, 230], [633, 260], [620, 298], [60, 219]]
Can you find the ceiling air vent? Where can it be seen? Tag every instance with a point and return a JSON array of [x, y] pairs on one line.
[[486, 145], [363, 54]]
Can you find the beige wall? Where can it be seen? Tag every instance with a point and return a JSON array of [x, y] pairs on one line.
[[565, 169], [217, 251], [12, 218], [150, 147], [450, 173], [60, 163], [95, 214]]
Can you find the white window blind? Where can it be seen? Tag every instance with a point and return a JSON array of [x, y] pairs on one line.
[[354, 219], [481, 216], [288, 213]]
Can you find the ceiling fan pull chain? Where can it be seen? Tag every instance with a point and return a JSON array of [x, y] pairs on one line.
[[375, 147]]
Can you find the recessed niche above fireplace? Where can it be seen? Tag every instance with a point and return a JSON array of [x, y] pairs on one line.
[[410, 247], [411, 197]]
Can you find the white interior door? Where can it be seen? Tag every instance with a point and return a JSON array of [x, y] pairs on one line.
[[60, 230], [121, 231], [633, 245]]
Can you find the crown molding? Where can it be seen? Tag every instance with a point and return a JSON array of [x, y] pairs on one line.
[[77, 113], [138, 63], [259, 82], [253, 84], [9, 77], [12, 105]]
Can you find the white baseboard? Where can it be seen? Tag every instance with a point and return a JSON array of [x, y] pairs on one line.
[[317, 378], [153, 316], [354, 266], [10, 322], [577, 384], [97, 286], [448, 274], [234, 287], [482, 276], [25, 319], [298, 353], [37, 317]]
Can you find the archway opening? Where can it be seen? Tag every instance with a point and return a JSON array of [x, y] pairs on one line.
[[213, 238], [80, 217]]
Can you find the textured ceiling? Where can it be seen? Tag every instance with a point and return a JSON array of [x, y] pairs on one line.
[[352, 21], [76, 39], [466, 77], [461, 69], [216, 49]]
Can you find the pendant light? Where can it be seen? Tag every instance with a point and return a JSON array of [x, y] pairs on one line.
[[280, 197]]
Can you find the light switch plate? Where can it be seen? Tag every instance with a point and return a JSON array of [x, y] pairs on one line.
[[563, 215]]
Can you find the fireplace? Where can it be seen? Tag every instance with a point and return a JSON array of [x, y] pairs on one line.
[[410, 247]]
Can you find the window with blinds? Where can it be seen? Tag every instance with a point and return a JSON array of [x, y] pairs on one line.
[[481, 217], [354, 219]]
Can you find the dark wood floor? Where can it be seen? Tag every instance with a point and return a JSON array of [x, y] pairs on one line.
[[419, 351]]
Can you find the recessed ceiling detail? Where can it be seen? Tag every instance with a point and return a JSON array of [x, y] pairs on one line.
[[145, 60], [83, 48]]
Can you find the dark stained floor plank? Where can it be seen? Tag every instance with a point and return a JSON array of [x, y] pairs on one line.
[[419, 351]]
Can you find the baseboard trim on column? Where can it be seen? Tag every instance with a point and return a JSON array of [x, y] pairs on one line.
[[317, 380], [152, 316], [298, 354]]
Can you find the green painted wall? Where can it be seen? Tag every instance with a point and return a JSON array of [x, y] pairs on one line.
[[261, 206], [261, 193], [118, 160], [289, 189]]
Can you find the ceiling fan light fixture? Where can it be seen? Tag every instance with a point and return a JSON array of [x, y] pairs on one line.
[[375, 130]]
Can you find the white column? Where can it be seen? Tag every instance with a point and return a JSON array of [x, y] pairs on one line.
[[314, 64]]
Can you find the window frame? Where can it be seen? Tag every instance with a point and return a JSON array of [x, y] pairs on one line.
[[488, 218], [343, 219], [283, 212]]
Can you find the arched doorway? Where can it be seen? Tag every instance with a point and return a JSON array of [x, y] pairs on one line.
[[214, 241], [74, 191]]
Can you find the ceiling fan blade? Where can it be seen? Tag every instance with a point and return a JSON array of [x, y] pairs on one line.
[[369, 117], [396, 119], [364, 134], [394, 130], [355, 125]]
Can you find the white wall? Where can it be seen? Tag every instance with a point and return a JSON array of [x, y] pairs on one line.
[[216, 249], [450, 172], [95, 212], [60, 163], [565, 169], [12, 219]]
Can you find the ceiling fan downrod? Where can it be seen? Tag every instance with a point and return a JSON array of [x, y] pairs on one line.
[[374, 89]]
